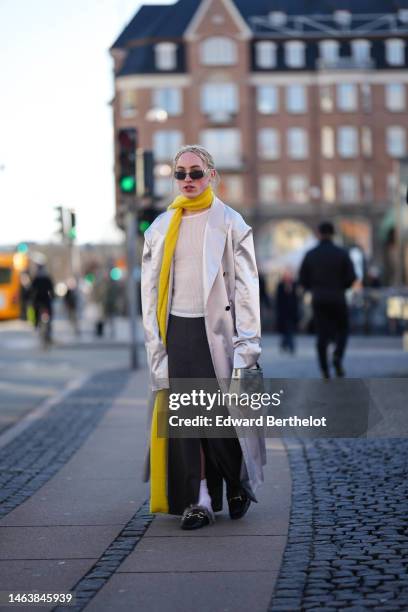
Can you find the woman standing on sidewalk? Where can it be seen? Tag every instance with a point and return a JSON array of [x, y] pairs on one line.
[[200, 299]]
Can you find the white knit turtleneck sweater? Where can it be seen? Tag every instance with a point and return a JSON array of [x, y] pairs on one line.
[[187, 299]]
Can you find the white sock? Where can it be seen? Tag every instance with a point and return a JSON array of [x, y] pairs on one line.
[[204, 497]]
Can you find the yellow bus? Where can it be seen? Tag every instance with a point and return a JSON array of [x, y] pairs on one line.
[[11, 265]]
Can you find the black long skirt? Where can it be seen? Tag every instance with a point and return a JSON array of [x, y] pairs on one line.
[[189, 357]]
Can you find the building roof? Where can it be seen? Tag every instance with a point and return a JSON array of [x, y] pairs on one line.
[[317, 7], [158, 22], [171, 20]]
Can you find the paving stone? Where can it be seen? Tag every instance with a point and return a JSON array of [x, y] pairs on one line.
[[359, 546]]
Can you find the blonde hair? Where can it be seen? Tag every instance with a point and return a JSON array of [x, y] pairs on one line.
[[198, 150]]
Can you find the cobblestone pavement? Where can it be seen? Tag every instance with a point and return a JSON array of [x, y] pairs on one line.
[[347, 545], [35, 455]]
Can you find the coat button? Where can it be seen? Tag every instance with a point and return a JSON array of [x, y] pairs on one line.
[[228, 308]]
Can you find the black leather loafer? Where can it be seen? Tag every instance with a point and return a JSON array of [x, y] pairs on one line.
[[238, 505], [195, 517]]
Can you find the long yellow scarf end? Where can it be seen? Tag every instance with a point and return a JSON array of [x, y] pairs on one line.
[[158, 458]]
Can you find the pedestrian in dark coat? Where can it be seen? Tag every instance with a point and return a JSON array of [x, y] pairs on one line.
[[327, 271], [42, 293], [287, 310]]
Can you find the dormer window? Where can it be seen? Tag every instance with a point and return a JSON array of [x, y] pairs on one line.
[[295, 53], [361, 50], [166, 56], [265, 54], [329, 51], [218, 51], [395, 51]]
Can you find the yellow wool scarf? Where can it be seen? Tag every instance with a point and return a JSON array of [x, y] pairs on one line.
[[158, 446]]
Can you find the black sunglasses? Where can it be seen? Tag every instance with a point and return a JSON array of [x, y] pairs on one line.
[[195, 175]]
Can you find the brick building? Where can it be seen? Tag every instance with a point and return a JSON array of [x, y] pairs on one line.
[[303, 104]]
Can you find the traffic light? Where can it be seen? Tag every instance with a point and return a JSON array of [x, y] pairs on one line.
[[127, 160], [145, 217], [72, 230], [144, 173], [116, 274], [60, 219]]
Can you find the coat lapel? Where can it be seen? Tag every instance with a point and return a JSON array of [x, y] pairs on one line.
[[214, 243]]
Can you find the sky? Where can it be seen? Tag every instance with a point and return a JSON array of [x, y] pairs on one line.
[[56, 132]]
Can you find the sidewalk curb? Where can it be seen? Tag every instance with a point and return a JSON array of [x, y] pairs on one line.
[[41, 410]]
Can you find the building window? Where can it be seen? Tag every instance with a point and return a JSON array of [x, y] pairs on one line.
[[396, 141], [270, 189], [395, 97], [128, 103], [295, 54], [298, 189], [368, 188], [346, 97], [296, 99], [366, 101], [265, 54], [329, 51], [166, 56], [297, 143], [326, 99], [395, 51], [166, 144], [267, 99], [361, 50], [219, 99], [168, 99], [366, 141], [327, 142], [329, 188], [347, 141], [218, 51], [392, 187], [348, 188], [225, 144], [231, 189], [268, 143]]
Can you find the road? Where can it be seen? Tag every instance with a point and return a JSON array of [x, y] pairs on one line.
[[29, 375]]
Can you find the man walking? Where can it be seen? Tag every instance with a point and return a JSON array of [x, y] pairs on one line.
[[327, 271]]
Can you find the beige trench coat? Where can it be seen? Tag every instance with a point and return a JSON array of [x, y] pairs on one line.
[[231, 310]]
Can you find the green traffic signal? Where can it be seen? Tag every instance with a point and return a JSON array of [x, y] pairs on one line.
[[90, 278], [127, 184], [72, 233], [116, 274], [144, 225]]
